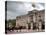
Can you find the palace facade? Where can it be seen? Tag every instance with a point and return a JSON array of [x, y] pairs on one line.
[[35, 19]]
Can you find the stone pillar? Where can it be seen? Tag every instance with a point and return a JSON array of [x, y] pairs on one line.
[[27, 26], [31, 26], [40, 26]]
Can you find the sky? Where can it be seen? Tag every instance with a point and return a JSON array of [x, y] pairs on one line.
[[15, 8]]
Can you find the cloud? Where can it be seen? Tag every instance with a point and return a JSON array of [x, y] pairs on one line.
[[20, 8]]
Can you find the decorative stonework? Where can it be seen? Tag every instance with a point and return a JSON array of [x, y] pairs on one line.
[[32, 17]]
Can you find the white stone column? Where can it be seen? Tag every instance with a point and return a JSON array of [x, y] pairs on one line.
[[31, 26], [40, 26], [27, 26]]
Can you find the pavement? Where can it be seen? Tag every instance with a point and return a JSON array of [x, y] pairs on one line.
[[23, 31]]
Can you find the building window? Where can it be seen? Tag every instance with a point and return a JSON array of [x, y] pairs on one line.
[[39, 16], [34, 26], [43, 25], [19, 17]]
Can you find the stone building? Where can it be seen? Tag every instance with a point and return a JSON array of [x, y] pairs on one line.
[[35, 19]]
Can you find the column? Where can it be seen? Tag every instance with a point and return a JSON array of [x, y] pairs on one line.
[[40, 26], [27, 26], [31, 26]]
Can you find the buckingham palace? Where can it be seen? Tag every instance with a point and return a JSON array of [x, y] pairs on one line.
[[34, 20]]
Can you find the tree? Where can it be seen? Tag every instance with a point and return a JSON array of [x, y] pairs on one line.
[[11, 23]]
